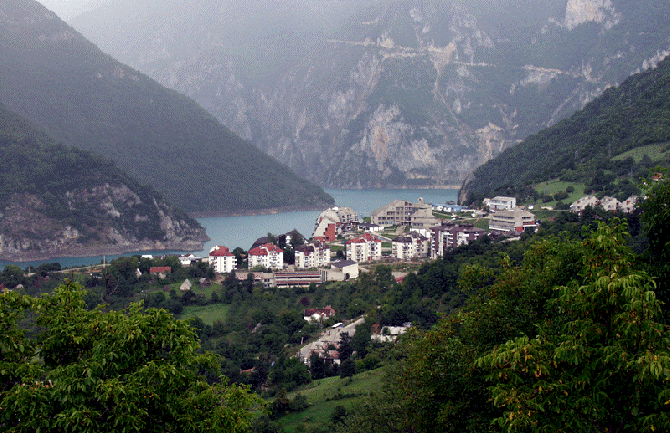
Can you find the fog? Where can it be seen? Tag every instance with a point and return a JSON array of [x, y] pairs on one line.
[[68, 9]]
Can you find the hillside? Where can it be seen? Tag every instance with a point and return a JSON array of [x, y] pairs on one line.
[[80, 96], [594, 140], [392, 92], [61, 201]]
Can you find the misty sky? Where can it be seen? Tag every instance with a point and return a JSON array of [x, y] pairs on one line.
[[67, 9]]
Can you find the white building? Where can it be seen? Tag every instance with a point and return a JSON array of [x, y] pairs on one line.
[[579, 205], [448, 237], [313, 255], [629, 205], [610, 203], [512, 221], [342, 270], [222, 260], [331, 222], [500, 203], [187, 259], [365, 248], [410, 246], [401, 212], [267, 255]]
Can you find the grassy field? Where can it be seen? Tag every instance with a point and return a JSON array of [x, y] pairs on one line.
[[323, 395], [656, 152], [553, 186], [208, 313]]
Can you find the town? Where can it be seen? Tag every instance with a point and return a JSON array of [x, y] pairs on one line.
[[343, 244]]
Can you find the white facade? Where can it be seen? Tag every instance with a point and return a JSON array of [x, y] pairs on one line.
[[400, 212], [267, 256], [500, 203], [512, 221], [222, 260], [338, 215], [365, 248], [584, 202], [411, 246], [313, 255]]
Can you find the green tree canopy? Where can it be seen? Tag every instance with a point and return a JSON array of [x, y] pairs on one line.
[[66, 368], [606, 368]]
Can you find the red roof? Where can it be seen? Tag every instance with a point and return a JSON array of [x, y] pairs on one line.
[[364, 238], [159, 270], [258, 251], [264, 250], [220, 251]]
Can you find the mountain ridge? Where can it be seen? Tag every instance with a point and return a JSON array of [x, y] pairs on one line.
[[61, 201], [83, 97], [421, 92], [631, 115]]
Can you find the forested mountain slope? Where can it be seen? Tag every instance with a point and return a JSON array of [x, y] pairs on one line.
[[80, 96], [388, 92], [57, 200], [635, 114]]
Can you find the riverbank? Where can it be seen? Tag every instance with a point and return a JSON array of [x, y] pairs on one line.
[[100, 250], [258, 212]]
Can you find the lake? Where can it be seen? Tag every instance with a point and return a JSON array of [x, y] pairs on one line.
[[243, 231]]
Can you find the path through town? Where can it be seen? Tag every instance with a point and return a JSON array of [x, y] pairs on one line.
[[328, 337]]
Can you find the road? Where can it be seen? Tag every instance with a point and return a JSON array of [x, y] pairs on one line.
[[328, 337]]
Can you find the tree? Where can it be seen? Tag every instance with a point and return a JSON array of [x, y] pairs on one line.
[[656, 225], [605, 368], [81, 370], [12, 276]]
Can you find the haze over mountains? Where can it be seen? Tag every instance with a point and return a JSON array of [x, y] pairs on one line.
[[388, 92], [56, 200], [81, 96], [606, 146]]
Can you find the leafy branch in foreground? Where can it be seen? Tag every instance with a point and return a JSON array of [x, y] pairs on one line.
[[80, 370], [607, 368]]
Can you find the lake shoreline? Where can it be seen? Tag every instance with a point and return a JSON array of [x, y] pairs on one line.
[[269, 211], [99, 250]]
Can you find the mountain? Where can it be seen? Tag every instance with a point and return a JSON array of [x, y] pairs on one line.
[[57, 200], [386, 92], [633, 115], [80, 96]]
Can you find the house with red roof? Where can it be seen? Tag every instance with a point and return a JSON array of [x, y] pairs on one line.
[[222, 260], [365, 248], [317, 314], [266, 255], [161, 271]]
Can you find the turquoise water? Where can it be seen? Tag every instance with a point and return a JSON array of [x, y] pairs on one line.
[[243, 231]]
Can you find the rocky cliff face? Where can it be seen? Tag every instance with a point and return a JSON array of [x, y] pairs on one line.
[[411, 92], [101, 219]]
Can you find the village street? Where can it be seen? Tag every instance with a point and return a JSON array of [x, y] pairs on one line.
[[328, 337]]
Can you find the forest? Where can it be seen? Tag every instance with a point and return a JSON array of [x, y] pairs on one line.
[[586, 147]]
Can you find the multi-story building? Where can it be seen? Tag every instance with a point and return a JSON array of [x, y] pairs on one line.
[[512, 221], [401, 212], [500, 203], [333, 221], [267, 255], [579, 205], [365, 248], [297, 279], [342, 270], [312, 255], [448, 237], [222, 260], [629, 205], [410, 246]]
